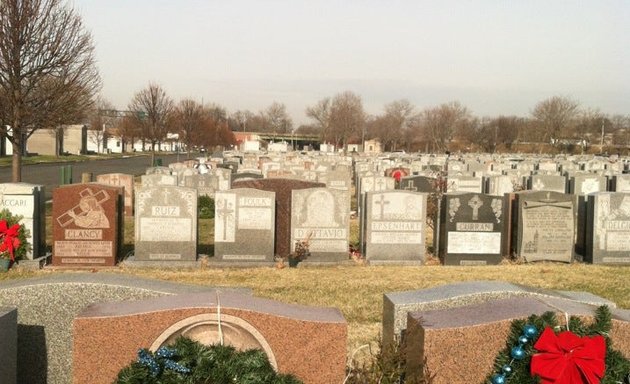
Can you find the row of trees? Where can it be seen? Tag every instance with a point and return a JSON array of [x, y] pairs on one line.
[[151, 115], [558, 120]]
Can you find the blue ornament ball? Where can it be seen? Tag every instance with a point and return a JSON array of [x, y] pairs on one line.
[[507, 370], [518, 353], [523, 339], [498, 379], [530, 331]]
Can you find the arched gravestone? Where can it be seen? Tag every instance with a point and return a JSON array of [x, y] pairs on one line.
[[285, 332]]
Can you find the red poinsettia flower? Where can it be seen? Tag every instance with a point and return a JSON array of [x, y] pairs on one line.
[[569, 359], [9, 238]]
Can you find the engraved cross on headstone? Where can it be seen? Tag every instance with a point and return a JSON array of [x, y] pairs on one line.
[[475, 203], [380, 184], [410, 186], [382, 203], [225, 212], [538, 185], [165, 194]]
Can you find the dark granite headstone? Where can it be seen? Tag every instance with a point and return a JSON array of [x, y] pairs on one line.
[[87, 221], [9, 345], [546, 226], [283, 189], [608, 228], [417, 184], [473, 229]]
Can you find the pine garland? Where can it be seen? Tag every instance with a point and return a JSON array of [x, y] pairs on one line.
[[617, 366], [215, 364]]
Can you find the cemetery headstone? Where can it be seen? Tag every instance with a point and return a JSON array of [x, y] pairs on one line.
[[283, 189], [205, 184], [87, 221], [473, 229], [608, 228], [241, 321], [547, 183], [166, 224], [620, 183], [546, 226], [395, 225], [244, 225], [28, 201], [464, 184], [154, 180], [321, 216], [158, 171], [9, 345], [120, 180]]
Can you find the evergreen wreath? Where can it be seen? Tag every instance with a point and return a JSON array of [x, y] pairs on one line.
[[513, 367], [190, 362]]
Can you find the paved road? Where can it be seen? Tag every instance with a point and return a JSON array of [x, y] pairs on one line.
[[49, 174]]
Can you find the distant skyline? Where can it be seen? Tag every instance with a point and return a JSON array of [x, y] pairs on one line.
[[494, 56]]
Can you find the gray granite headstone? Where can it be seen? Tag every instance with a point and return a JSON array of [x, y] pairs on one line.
[[473, 229], [158, 171], [547, 183], [585, 184], [321, 215], [244, 225], [464, 184], [499, 185], [546, 226], [620, 183], [157, 179], [205, 184], [28, 201], [166, 224], [9, 345], [608, 228], [394, 229]]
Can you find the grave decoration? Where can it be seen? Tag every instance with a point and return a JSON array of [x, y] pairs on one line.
[[188, 361], [13, 244], [539, 350]]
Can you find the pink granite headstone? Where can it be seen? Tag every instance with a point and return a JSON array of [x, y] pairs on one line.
[[308, 342], [87, 222]]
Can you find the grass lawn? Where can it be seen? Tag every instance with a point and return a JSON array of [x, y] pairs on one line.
[[357, 290]]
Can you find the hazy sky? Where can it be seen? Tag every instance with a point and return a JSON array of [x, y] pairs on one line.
[[495, 57]]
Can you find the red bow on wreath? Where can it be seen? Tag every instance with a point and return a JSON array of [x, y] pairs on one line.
[[569, 359], [9, 238]]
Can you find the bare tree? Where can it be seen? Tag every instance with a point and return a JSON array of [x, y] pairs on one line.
[[320, 113], [391, 128], [47, 69], [442, 123], [153, 109], [555, 116], [103, 118], [278, 118], [347, 118], [189, 118], [241, 118]]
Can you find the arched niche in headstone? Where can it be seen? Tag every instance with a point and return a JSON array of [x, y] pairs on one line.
[[213, 328]]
